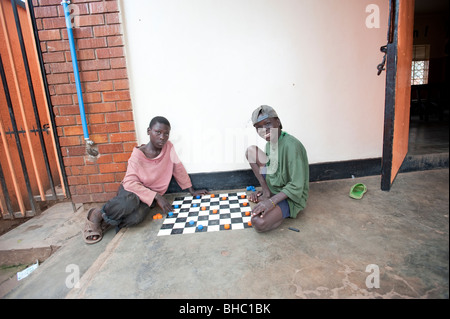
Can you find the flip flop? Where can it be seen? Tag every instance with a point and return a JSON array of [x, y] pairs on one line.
[[92, 229], [357, 191]]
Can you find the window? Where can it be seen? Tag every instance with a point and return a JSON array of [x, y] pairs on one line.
[[420, 64]]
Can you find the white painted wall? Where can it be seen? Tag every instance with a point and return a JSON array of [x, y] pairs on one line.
[[207, 64]]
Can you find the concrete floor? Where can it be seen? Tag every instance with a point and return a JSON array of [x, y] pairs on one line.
[[403, 233]]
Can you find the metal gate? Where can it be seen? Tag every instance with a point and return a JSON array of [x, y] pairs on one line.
[[31, 167]]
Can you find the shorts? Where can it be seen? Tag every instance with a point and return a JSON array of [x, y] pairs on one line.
[[284, 205]]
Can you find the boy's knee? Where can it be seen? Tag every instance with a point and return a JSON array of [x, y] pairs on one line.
[[136, 217], [250, 153], [259, 224]]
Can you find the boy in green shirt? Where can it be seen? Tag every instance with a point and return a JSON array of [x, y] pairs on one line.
[[282, 171]]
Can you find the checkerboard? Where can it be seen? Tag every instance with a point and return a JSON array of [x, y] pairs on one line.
[[213, 212]]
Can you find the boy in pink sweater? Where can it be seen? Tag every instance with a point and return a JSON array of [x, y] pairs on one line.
[[150, 169]]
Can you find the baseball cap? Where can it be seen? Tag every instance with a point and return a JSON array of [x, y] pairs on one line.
[[263, 112]]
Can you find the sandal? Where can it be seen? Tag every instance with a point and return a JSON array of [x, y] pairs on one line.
[[357, 191], [91, 229]]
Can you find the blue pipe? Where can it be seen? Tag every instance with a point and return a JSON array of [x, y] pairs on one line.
[[76, 73]]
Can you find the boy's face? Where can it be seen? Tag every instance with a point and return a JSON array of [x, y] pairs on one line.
[[269, 129], [159, 135]]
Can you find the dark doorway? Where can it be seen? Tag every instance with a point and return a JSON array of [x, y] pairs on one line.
[[430, 97]]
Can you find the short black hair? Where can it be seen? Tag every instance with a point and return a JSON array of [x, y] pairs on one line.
[[159, 119]]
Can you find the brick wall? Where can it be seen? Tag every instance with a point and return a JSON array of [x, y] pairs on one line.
[[101, 61]]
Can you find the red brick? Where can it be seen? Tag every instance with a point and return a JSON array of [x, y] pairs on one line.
[[73, 161], [49, 2], [60, 45], [110, 148], [99, 86], [111, 168], [115, 41], [121, 84], [61, 67], [69, 141], [118, 63], [77, 180], [87, 54], [86, 76], [94, 65], [73, 130], [54, 23], [110, 53], [91, 20], [102, 7], [101, 178], [127, 126], [46, 35], [44, 47], [112, 18], [128, 147], [105, 128], [65, 120], [113, 74], [88, 189], [57, 78], [91, 43], [92, 97], [85, 169], [65, 89], [105, 159], [124, 106], [69, 110], [45, 12], [73, 150], [111, 187], [119, 117], [121, 157], [61, 100], [102, 107], [54, 57], [116, 96], [96, 118], [99, 138], [107, 30], [122, 137], [119, 176]]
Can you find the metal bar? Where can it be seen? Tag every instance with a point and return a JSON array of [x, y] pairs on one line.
[[8, 207], [33, 98], [5, 142], [49, 109], [21, 106]]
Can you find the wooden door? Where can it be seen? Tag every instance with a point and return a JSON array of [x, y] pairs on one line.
[[398, 89]]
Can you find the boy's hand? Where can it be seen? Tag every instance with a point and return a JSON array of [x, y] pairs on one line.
[[262, 207], [163, 203], [200, 192], [254, 197], [258, 197]]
